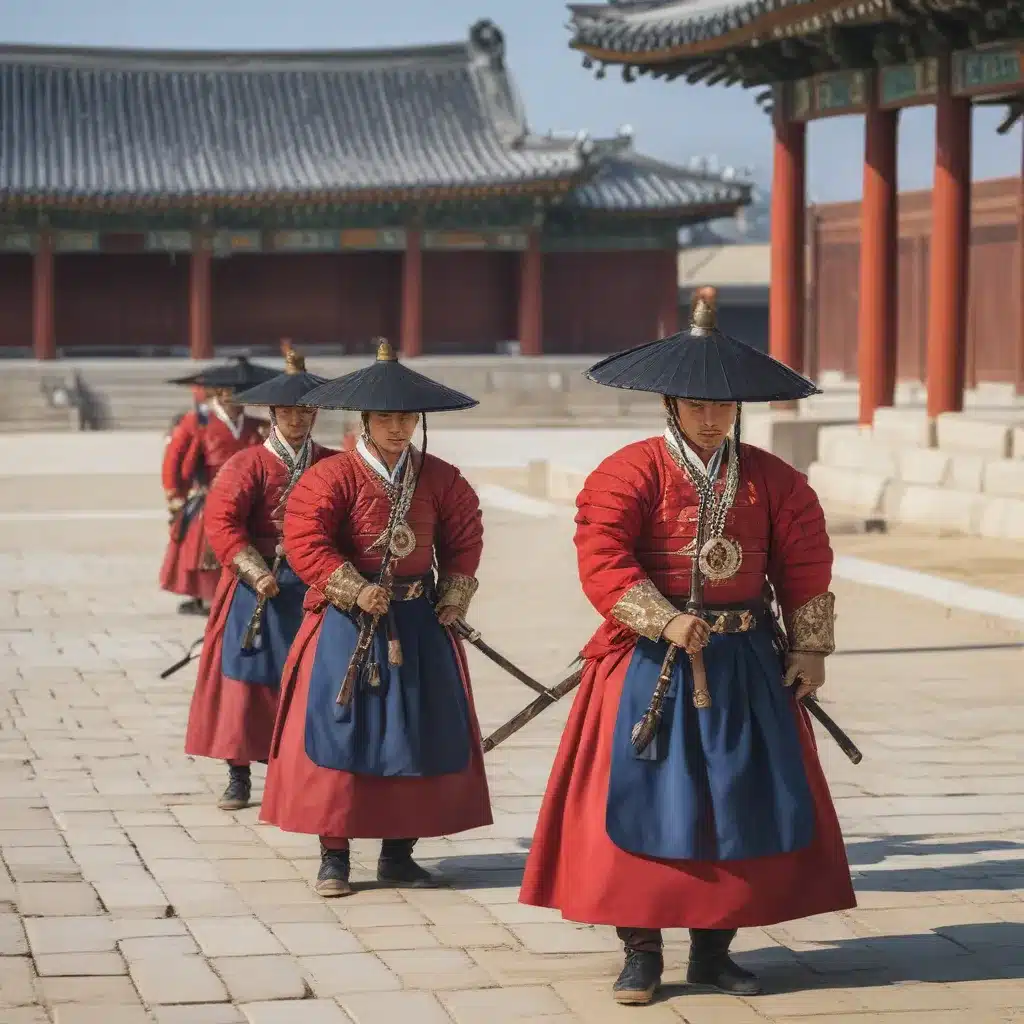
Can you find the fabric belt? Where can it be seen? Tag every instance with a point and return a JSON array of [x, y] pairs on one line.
[[728, 619], [409, 588]]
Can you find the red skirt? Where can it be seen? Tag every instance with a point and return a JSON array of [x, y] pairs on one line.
[[228, 719], [300, 796], [181, 572], [574, 867]]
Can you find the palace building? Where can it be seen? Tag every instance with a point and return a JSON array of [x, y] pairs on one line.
[[164, 202], [813, 59]]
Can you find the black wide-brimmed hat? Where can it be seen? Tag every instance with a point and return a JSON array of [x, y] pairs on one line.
[[286, 388], [237, 375], [703, 364], [387, 386], [190, 379]]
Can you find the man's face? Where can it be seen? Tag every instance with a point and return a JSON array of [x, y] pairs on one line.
[[705, 424], [391, 432], [226, 398], [294, 422]]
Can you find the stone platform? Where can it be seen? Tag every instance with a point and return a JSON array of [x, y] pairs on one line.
[[958, 473], [126, 897]]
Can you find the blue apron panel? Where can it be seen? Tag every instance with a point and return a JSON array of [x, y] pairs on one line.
[[725, 783], [282, 617], [415, 723]]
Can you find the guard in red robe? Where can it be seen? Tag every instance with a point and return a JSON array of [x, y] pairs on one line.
[[698, 802], [376, 733], [198, 448], [257, 609], [177, 490]]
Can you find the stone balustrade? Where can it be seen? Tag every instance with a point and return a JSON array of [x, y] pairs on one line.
[[958, 473]]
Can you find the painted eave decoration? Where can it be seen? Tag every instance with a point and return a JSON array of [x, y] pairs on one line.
[[655, 31], [763, 40], [116, 131]]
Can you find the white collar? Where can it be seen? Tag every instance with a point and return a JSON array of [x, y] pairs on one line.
[[390, 475], [714, 462], [235, 427], [268, 444]]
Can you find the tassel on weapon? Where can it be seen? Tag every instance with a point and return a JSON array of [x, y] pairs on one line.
[[364, 641], [647, 728]]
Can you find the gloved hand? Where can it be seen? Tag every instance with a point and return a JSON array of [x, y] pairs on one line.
[[807, 671]]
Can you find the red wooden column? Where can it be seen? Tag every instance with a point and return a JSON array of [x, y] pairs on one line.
[[200, 297], [412, 295], [951, 222], [879, 239], [668, 314], [786, 310], [1019, 371], [531, 297], [44, 338]]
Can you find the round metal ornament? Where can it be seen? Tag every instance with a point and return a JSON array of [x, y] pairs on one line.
[[720, 559], [403, 541]]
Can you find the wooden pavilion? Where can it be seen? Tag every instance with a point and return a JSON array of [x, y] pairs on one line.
[[827, 58], [151, 201]]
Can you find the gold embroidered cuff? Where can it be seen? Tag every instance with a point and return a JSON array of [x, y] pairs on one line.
[[645, 610], [175, 503], [344, 587], [811, 628], [249, 566], [456, 592]]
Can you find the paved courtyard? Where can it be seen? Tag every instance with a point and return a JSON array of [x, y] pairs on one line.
[[126, 897]]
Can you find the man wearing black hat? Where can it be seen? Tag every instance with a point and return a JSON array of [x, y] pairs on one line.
[[376, 734], [687, 791], [200, 444], [257, 609]]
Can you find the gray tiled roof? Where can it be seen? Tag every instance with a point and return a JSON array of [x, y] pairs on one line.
[[640, 26], [78, 126], [624, 181], [140, 125]]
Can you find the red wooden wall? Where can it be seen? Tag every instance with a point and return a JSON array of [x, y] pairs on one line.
[[602, 301], [993, 297], [470, 301], [117, 299], [595, 301], [15, 300], [332, 298]]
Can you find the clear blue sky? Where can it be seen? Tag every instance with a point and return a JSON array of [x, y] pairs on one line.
[[671, 120]]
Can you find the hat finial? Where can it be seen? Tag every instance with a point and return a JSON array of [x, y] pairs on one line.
[[385, 353], [703, 315], [293, 361]]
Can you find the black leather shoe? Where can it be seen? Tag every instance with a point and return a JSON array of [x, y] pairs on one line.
[[332, 878], [239, 790], [396, 866], [711, 966], [639, 978], [191, 607]]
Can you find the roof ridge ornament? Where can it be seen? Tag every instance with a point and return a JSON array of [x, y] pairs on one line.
[[488, 40]]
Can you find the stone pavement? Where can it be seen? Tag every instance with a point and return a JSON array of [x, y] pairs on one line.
[[127, 897]]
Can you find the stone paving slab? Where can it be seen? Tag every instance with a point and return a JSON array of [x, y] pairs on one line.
[[127, 897]]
